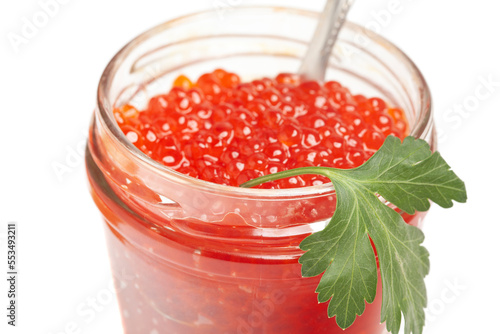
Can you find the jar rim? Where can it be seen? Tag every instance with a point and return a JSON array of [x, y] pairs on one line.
[[105, 108]]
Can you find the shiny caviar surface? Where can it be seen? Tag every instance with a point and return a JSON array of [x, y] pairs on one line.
[[222, 130]]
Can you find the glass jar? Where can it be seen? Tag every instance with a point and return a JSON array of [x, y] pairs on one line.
[[190, 256]]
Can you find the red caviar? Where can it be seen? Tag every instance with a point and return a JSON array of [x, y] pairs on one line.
[[224, 131], [205, 263]]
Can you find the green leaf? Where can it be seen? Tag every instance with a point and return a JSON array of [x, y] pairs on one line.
[[406, 174], [345, 242]]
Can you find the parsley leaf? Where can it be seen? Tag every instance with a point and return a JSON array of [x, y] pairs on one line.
[[407, 175]]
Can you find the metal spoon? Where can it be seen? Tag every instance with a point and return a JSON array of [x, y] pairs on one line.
[[332, 18]]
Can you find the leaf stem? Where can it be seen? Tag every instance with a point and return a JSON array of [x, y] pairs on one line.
[[325, 171]]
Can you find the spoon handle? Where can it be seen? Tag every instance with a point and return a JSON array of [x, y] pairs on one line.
[[332, 18]]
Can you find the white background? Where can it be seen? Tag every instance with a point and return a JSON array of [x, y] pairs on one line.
[[48, 91]]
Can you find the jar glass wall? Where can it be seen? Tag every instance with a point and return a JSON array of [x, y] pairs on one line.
[[189, 256]]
